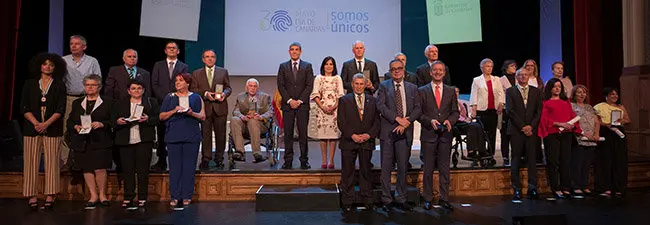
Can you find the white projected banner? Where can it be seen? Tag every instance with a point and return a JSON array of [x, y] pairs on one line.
[[454, 21], [258, 32], [175, 19]]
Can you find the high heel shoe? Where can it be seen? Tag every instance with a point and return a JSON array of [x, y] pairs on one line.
[[48, 205], [323, 166], [33, 205], [331, 166]]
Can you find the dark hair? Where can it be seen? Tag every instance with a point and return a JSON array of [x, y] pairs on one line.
[[575, 89], [171, 42], [296, 44], [395, 60], [186, 77], [322, 65], [608, 90], [134, 81], [208, 50], [548, 89], [507, 63], [60, 68], [557, 62]]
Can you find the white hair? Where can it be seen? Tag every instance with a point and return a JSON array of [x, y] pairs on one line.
[[130, 49], [253, 80]]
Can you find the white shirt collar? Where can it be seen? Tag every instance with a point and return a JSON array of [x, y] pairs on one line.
[[175, 60]]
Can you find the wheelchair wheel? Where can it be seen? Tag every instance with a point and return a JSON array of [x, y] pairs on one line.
[[492, 162], [454, 159], [475, 163]]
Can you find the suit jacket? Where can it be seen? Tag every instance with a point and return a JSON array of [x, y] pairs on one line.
[[519, 115], [387, 107], [30, 101], [122, 108], [97, 139], [296, 89], [118, 79], [424, 75], [161, 82], [350, 68], [448, 111], [264, 107], [200, 86], [408, 77], [348, 114]]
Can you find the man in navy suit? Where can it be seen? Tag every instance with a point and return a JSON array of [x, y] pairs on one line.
[[399, 105], [119, 76], [439, 113], [424, 71], [358, 111], [524, 108], [360, 64], [295, 83], [162, 83]]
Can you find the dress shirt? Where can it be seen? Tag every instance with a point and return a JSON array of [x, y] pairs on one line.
[[479, 95], [134, 136], [77, 71]]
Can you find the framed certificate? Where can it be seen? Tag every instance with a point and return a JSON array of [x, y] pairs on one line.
[[137, 113], [615, 116], [218, 90], [86, 124]]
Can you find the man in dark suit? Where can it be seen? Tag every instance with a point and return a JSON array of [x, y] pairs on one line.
[[162, 83], [119, 76], [213, 84], [423, 71], [295, 83], [408, 75], [399, 105], [360, 64], [439, 114], [358, 111], [524, 108]]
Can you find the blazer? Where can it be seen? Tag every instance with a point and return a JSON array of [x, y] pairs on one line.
[[118, 79], [30, 101], [97, 139], [479, 93], [350, 69], [298, 89], [200, 85], [162, 83], [408, 77], [388, 108], [182, 128], [519, 115], [348, 114], [424, 75], [448, 111], [122, 108], [264, 107]]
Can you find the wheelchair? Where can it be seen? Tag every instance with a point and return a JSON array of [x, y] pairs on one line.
[[479, 157], [269, 140]]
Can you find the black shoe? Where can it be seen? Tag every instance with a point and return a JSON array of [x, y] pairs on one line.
[[405, 207], [259, 158], [239, 156], [287, 166], [532, 194], [409, 166], [506, 162], [90, 205], [427, 205], [516, 197], [385, 207], [347, 208], [305, 166], [577, 194], [446, 205], [160, 166], [33, 205], [204, 165], [178, 206], [370, 207], [131, 206], [372, 165], [106, 203]]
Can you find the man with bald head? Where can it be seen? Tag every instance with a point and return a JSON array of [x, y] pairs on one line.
[[424, 71], [360, 64], [119, 76]]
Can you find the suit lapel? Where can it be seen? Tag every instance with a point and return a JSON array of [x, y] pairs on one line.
[[365, 106]]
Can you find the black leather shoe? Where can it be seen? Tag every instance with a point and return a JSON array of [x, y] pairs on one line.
[[287, 166], [90, 205], [516, 197], [305, 166], [532, 194], [427, 205], [239, 156], [405, 207], [506, 162], [259, 158], [370, 207], [347, 208], [385, 207], [220, 165], [446, 205], [106, 203], [204, 165]]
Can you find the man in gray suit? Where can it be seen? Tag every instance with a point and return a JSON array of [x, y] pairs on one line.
[[250, 116], [399, 105], [213, 84], [439, 113]]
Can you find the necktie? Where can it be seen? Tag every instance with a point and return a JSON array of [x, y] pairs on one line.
[[360, 106], [171, 69], [359, 68], [294, 69], [524, 93], [210, 77], [131, 73], [398, 101], [438, 96]]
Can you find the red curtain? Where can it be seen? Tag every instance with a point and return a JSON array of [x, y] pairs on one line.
[[588, 46], [9, 17]]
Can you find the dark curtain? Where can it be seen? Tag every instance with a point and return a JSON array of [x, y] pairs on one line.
[[9, 14]]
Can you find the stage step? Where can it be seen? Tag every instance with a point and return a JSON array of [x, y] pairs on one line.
[[297, 198], [412, 196]]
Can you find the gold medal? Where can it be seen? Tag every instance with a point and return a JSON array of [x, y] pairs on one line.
[[43, 99]]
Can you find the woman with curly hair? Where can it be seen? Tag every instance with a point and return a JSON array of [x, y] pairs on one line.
[[43, 105]]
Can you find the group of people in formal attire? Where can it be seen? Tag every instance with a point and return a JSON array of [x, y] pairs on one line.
[[176, 112]]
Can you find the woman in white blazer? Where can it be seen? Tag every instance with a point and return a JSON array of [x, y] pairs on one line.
[[487, 100]]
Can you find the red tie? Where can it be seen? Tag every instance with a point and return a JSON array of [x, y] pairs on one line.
[[438, 96]]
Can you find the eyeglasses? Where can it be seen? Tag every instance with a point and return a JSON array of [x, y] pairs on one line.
[[136, 89], [171, 48], [91, 85], [396, 69]]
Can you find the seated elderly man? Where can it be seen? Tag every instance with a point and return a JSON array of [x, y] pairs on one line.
[[473, 130], [250, 116]]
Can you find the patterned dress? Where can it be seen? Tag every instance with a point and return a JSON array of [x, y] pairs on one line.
[[322, 125]]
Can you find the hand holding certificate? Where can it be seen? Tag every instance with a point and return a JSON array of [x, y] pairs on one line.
[[218, 91], [86, 124], [616, 117], [137, 114], [572, 121], [185, 103]]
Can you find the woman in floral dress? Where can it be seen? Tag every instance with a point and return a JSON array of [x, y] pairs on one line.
[[328, 88]]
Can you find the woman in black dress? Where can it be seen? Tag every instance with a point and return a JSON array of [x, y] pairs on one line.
[[43, 105], [93, 142]]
